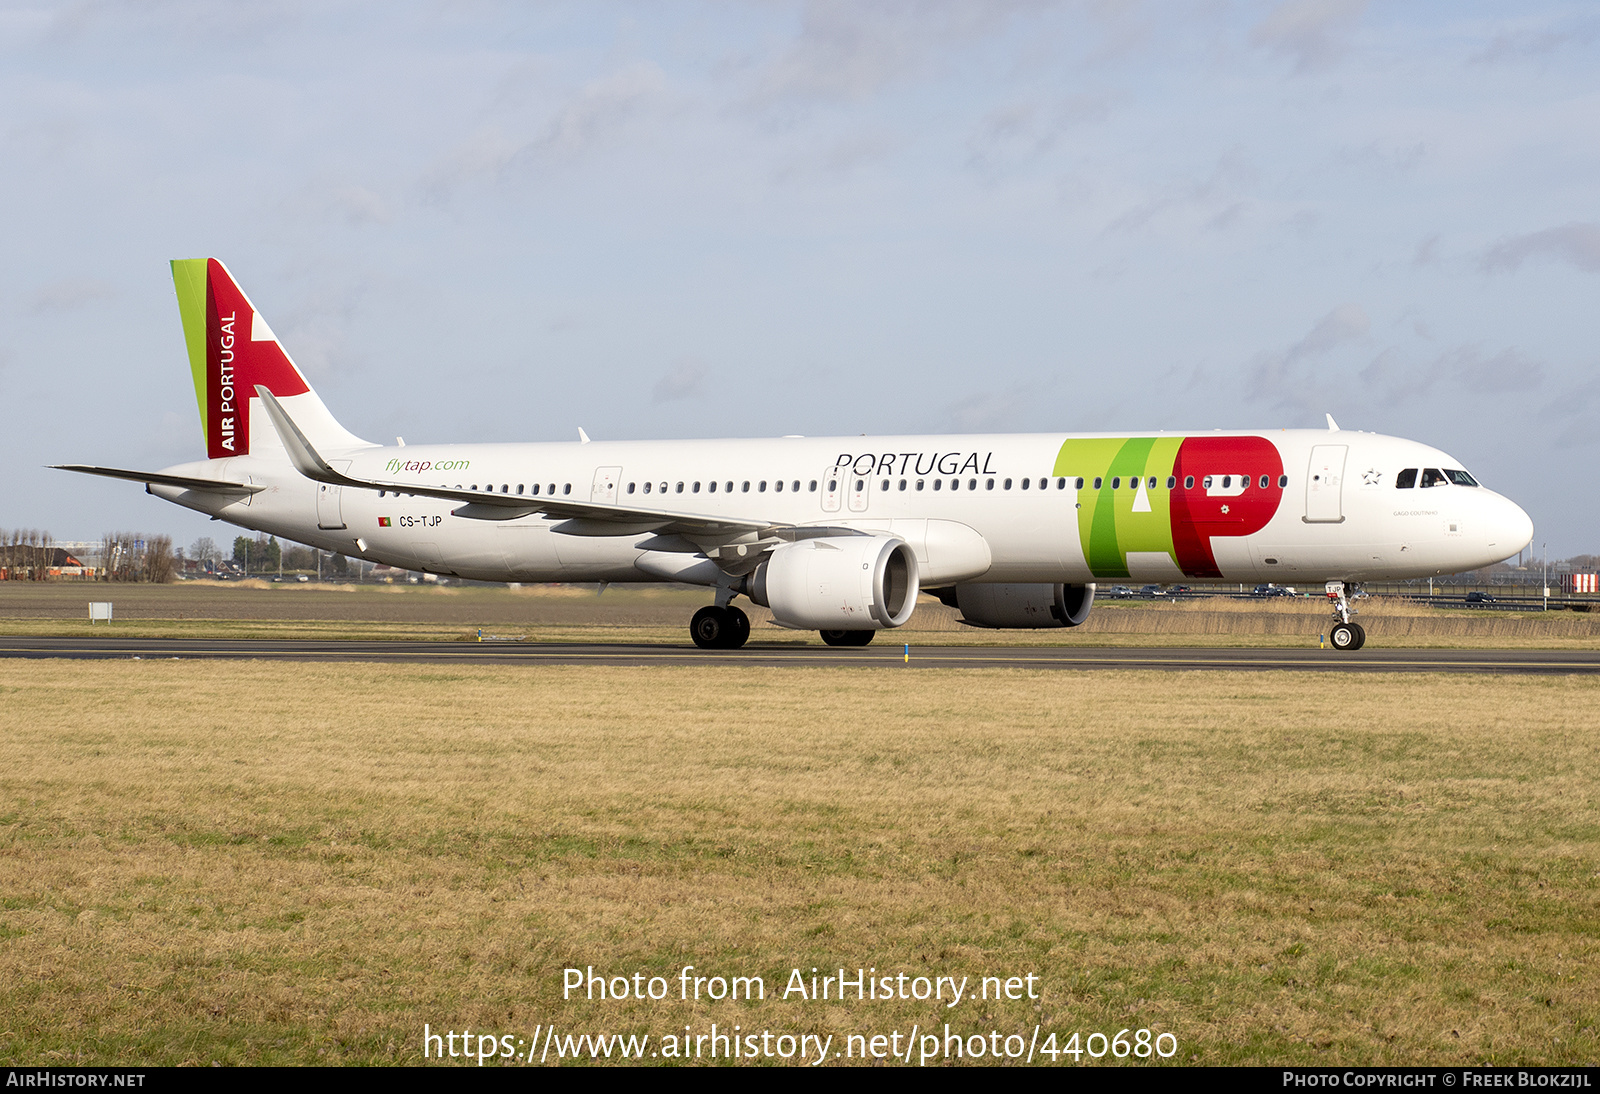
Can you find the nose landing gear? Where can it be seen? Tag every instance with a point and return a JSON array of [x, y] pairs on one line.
[[1345, 635]]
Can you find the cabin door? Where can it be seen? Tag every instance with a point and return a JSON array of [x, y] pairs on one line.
[[329, 513], [1324, 484]]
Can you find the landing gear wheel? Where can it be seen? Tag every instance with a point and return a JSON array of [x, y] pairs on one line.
[[847, 638], [1344, 636], [710, 627], [1361, 636], [738, 629]]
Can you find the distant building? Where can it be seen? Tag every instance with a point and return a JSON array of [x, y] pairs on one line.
[[24, 562]]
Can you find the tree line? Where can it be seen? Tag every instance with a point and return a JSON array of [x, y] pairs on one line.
[[29, 554]]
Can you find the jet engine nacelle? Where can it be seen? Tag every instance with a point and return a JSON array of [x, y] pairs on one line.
[[1024, 606], [851, 583]]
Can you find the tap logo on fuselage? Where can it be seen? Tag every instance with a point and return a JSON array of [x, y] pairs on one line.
[[1171, 496]]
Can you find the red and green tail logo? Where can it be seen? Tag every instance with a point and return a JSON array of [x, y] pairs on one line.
[[231, 350]]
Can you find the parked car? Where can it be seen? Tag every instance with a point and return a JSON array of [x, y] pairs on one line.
[[1478, 597], [1150, 591], [1120, 592]]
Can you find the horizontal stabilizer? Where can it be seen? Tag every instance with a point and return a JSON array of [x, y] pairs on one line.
[[185, 482]]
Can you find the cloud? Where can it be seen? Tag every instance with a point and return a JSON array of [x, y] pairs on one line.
[[317, 331], [1387, 154], [1303, 222], [1021, 131], [485, 152], [1575, 415], [68, 294], [1277, 377], [682, 381], [236, 25], [1518, 45], [599, 109], [840, 158], [1216, 194], [358, 205], [986, 410], [1577, 243], [1312, 32], [355, 205], [1460, 369], [1343, 323], [847, 52], [590, 118]]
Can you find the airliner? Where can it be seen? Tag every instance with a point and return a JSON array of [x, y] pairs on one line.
[[833, 534]]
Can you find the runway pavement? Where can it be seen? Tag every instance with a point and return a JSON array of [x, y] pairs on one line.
[[880, 654]]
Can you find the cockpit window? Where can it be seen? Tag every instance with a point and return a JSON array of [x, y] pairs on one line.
[[1406, 480], [1460, 478], [1432, 476]]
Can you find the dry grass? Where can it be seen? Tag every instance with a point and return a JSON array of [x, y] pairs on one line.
[[304, 863], [660, 614]]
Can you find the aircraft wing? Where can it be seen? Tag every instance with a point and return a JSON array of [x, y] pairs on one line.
[[579, 518], [186, 482]]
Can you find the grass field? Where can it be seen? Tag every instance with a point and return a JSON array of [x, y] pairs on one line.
[[267, 863], [661, 614]]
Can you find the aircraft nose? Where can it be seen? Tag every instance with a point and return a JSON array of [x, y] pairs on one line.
[[1511, 529]]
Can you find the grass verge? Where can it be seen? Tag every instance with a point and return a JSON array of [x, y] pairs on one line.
[[263, 863]]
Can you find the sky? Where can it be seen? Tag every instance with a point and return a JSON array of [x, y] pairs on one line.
[[472, 221]]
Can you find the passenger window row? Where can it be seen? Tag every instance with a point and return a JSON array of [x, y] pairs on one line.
[[778, 486], [1405, 480], [505, 488], [1207, 482]]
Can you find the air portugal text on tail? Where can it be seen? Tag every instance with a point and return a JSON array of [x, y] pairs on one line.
[[837, 535], [231, 350]]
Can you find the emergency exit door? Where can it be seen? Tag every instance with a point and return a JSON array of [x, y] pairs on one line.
[[604, 489]]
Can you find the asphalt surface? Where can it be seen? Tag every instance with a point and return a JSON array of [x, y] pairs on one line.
[[885, 653]]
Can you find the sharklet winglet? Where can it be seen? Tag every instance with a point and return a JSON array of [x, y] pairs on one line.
[[301, 454]]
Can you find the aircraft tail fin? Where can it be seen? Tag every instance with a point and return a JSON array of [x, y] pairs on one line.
[[231, 351]]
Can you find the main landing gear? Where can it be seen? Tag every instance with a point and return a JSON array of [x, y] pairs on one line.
[[1345, 635], [719, 628], [724, 627]]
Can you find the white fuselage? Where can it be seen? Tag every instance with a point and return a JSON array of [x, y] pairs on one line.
[[958, 501]]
